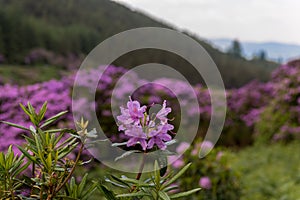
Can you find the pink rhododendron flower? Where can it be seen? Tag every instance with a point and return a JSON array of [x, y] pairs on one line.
[[205, 182], [143, 130], [182, 147], [175, 161]]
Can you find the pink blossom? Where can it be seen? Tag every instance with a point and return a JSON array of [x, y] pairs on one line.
[[205, 182]]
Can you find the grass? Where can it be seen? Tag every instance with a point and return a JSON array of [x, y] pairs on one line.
[[24, 75], [270, 172]]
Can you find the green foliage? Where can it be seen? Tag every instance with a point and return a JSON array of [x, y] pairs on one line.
[[47, 151], [269, 172], [270, 123], [24, 75], [153, 188], [79, 191], [217, 167], [11, 166]]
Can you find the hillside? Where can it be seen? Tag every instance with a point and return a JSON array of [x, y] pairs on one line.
[[76, 26]]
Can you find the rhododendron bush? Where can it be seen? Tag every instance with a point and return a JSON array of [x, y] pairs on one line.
[[248, 107]]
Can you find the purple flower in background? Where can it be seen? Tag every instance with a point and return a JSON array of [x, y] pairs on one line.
[[176, 161], [205, 182], [141, 129], [182, 147]]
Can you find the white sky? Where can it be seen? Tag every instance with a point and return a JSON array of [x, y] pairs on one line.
[[246, 20]]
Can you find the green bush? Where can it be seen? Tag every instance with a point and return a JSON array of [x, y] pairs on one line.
[[269, 172], [215, 166]]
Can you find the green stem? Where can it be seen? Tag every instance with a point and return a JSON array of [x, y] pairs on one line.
[[11, 189], [72, 170]]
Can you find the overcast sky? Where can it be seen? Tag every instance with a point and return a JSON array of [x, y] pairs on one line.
[[246, 20]]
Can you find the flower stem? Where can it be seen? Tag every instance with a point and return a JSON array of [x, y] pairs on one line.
[[138, 176], [141, 167]]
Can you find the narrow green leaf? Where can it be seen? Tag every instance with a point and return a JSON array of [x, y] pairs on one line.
[[127, 153], [82, 184], [31, 108], [176, 176], [25, 109], [89, 191], [107, 193], [130, 180], [49, 161], [114, 183], [163, 164], [16, 125], [137, 194], [30, 157], [52, 119], [163, 195], [120, 181], [170, 188], [21, 169], [2, 159], [156, 174], [43, 111], [118, 144], [184, 194]]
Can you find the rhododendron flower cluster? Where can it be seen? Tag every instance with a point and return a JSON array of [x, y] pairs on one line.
[[141, 128]]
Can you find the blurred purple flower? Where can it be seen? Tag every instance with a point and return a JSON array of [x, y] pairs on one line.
[[205, 182], [182, 147]]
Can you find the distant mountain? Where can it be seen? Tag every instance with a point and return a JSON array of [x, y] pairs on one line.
[[77, 26], [275, 51]]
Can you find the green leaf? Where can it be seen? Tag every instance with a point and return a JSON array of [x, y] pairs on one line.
[[137, 194], [33, 116], [21, 169], [49, 161], [163, 195], [16, 125], [107, 193], [118, 144], [114, 183], [174, 178], [163, 164], [89, 192], [25, 109], [130, 180], [156, 174], [127, 153], [184, 194], [82, 184], [43, 111], [53, 119], [30, 157], [170, 188], [2, 159], [120, 181]]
